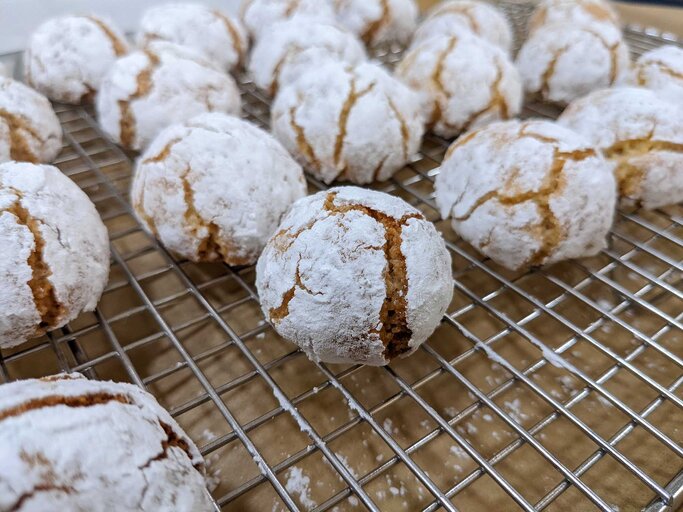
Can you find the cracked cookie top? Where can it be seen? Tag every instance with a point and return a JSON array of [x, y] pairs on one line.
[[573, 12], [354, 275], [214, 188], [641, 134], [217, 36], [295, 46], [464, 82], [29, 128], [561, 62], [378, 21], [55, 251], [661, 70], [460, 17], [67, 442], [259, 15], [527, 193], [349, 123], [67, 57], [164, 83]]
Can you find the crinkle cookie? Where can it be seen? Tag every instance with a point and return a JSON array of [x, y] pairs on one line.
[[357, 124], [259, 15], [459, 17], [355, 276], [55, 252], [163, 84], [378, 21], [68, 443], [67, 57], [294, 47], [641, 134], [214, 188], [573, 12], [465, 82], [29, 128], [527, 193], [217, 36], [562, 62], [661, 70]]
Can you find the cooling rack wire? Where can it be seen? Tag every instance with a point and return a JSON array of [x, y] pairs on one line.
[[558, 389]]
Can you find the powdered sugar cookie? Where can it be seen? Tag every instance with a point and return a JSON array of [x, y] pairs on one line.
[[354, 275], [573, 12], [293, 47], [163, 84], [527, 193], [357, 124], [459, 17], [259, 15], [217, 36], [55, 252], [214, 188], [29, 128], [641, 134], [661, 70], [465, 82], [67, 57], [378, 21], [562, 62], [68, 443]]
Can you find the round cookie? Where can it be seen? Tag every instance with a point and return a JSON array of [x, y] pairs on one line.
[[562, 62], [259, 15], [55, 252], [641, 134], [29, 128], [67, 57], [465, 82], [357, 124], [379, 21], [213, 34], [295, 46], [68, 443], [573, 12], [661, 70], [355, 276], [163, 84], [214, 188], [458, 17], [527, 193]]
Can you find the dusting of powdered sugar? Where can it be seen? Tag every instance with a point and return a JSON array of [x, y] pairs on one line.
[[67, 442], [573, 12], [52, 238], [527, 193], [260, 15], [378, 21], [464, 82], [349, 123], [661, 70], [641, 134], [299, 484]]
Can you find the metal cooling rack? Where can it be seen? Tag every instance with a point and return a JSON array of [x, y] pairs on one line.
[[558, 389]]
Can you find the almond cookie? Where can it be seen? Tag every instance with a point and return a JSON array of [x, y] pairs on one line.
[[259, 15], [661, 70], [68, 443], [641, 134], [55, 252], [67, 57], [29, 128], [459, 17], [464, 82], [214, 188], [527, 193], [357, 124], [561, 62], [379, 21], [355, 276], [163, 84], [217, 36], [293, 47], [573, 12]]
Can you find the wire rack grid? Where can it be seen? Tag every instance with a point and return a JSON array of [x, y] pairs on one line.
[[558, 389]]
